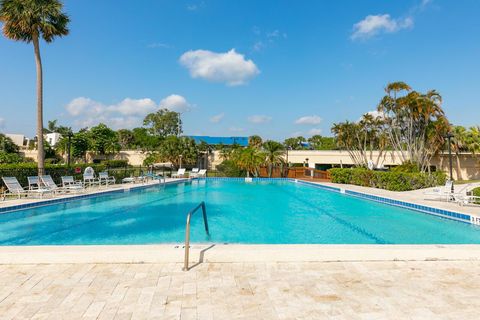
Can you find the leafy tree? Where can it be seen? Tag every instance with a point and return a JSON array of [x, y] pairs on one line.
[[80, 145], [317, 142], [7, 145], [164, 123], [126, 138], [28, 21], [415, 122], [103, 139], [144, 140], [273, 153], [173, 147], [255, 141], [294, 143]]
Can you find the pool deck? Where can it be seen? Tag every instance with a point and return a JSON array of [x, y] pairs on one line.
[[256, 284]]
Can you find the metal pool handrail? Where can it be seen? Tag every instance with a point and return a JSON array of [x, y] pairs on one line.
[[187, 231]]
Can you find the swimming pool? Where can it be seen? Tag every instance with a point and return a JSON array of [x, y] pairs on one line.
[[262, 212]]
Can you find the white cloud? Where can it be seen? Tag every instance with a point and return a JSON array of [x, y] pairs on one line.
[[176, 103], [236, 129], [376, 24], [230, 67], [128, 113], [217, 118], [309, 120], [259, 119], [2, 123], [315, 131]]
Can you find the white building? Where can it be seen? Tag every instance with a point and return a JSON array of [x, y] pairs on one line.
[[19, 139], [53, 138]]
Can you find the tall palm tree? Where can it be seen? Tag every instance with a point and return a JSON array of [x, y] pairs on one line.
[[29, 21], [273, 152]]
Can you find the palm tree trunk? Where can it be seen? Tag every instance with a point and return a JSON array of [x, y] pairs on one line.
[[40, 151]]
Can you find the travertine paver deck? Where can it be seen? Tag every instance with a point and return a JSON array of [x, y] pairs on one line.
[[295, 290]]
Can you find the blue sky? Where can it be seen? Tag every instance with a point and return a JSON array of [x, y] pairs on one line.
[[274, 68]]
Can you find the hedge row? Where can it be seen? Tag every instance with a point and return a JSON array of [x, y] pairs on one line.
[[394, 181]]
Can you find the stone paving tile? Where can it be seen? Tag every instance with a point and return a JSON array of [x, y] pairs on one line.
[[315, 290]]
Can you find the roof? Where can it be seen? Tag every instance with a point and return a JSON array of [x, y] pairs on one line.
[[242, 141]]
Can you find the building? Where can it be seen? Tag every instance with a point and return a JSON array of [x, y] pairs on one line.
[[227, 141], [53, 138], [19, 139]]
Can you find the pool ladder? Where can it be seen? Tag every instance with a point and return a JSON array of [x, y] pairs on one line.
[[187, 231]]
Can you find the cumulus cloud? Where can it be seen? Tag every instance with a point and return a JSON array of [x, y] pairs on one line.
[[128, 113], [217, 118], [315, 131], [2, 123], [376, 24], [259, 119], [176, 103], [229, 67], [309, 120]]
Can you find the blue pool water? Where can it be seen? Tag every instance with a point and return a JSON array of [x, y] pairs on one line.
[[238, 212]]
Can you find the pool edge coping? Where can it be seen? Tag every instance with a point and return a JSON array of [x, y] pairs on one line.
[[235, 253]]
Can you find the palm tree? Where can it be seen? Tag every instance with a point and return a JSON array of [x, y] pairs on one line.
[[255, 141], [28, 21], [274, 152], [249, 159]]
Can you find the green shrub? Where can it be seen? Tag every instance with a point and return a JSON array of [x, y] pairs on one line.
[[228, 168], [115, 163], [476, 192], [10, 157], [407, 166], [389, 180]]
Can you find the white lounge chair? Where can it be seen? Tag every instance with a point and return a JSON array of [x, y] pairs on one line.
[[200, 174], [69, 184], [89, 179], [104, 178], [16, 189], [443, 193], [49, 184], [463, 196], [179, 174], [194, 171], [36, 187]]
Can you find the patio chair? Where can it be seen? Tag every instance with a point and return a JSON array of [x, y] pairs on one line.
[[464, 197], [89, 179], [16, 189], [104, 178], [194, 171], [200, 174], [443, 193], [179, 174], [69, 184], [48, 182], [35, 185]]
